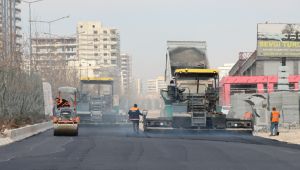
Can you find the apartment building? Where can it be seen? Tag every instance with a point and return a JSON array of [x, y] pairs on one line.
[[126, 73], [155, 85], [98, 48], [10, 29], [53, 52], [224, 70]]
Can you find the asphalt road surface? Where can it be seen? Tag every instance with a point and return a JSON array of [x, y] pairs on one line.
[[117, 148]]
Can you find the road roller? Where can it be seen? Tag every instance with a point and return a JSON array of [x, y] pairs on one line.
[[65, 119]]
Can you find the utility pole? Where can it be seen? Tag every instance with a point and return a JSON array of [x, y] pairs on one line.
[[4, 14], [11, 33], [30, 33], [51, 68]]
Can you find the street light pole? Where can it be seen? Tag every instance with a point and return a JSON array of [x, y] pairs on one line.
[[49, 29], [49, 24], [30, 32]]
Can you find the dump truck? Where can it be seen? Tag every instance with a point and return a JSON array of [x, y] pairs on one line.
[[191, 97], [65, 119]]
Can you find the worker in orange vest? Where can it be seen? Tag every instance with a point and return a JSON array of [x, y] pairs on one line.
[[248, 116], [134, 115], [275, 115]]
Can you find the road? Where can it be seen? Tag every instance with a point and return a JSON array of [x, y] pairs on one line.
[[117, 148]]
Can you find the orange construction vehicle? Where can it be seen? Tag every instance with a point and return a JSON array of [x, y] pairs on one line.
[[65, 119]]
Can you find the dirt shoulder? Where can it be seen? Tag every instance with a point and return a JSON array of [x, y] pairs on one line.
[[286, 135]]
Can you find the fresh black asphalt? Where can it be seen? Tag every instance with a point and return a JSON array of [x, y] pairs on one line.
[[117, 148]]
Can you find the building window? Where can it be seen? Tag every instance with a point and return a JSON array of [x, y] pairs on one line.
[[95, 39], [81, 26], [95, 54], [105, 46], [105, 32], [113, 54], [113, 39], [113, 61], [113, 31], [96, 71], [98, 62], [95, 32], [105, 62], [93, 26], [95, 46], [105, 54], [105, 39]]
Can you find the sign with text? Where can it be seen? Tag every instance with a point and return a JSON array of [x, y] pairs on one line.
[[278, 40]]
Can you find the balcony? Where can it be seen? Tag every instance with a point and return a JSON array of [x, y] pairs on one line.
[[18, 19], [19, 36], [18, 27], [18, 10]]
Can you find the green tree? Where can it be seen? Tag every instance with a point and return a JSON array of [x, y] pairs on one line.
[[288, 29]]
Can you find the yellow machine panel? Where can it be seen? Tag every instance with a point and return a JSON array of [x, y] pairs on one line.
[[97, 80], [197, 71]]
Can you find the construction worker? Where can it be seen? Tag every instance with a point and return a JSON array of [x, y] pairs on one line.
[[172, 83], [275, 115], [248, 116], [58, 102], [62, 103], [134, 115]]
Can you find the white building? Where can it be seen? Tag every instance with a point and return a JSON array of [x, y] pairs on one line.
[[224, 70], [138, 86], [98, 48], [152, 86], [53, 52], [155, 85], [126, 73]]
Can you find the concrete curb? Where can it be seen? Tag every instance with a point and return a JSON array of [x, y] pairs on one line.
[[24, 132], [5, 141]]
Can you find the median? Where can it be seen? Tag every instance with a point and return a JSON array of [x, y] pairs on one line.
[[13, 135]]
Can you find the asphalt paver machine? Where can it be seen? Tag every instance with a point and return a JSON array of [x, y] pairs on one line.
[[98, 105], [192, 94]]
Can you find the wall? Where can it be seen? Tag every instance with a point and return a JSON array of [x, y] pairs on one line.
[[271, 67], [285, 102]]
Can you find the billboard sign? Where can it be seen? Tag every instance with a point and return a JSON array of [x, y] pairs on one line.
[[278, 40]]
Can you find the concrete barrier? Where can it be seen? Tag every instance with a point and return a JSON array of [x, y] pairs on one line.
[[24, 132]]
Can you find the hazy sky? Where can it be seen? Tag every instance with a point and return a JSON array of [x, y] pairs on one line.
[[228, 26]]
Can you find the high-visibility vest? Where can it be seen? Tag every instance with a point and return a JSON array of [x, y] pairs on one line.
[[134, 113], [275, 116], [134, 108], [248, 115]]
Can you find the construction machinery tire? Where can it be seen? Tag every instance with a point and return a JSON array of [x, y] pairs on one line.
[[76, 132], [55, 133]]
